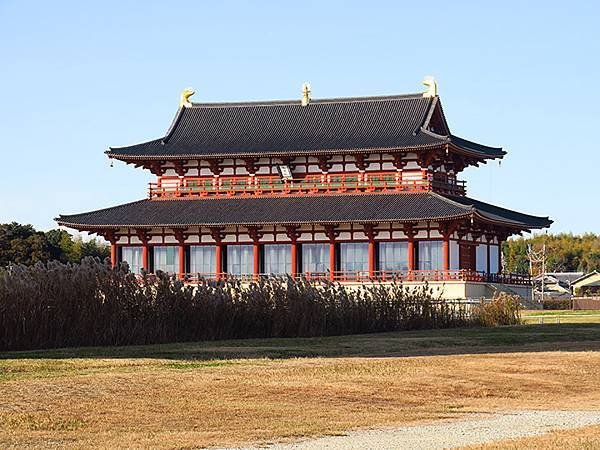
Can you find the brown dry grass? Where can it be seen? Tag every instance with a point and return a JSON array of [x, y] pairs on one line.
[[587, 438], [180, 396]]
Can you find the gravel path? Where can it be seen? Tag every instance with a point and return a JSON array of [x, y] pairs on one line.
[[478, 429]]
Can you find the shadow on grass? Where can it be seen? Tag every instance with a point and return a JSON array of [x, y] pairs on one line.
[[524, 338]]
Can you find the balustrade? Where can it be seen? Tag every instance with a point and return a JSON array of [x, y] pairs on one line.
[[230, 186]]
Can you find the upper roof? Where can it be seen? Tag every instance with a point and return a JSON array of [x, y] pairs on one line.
[[286, 128], [289, 209], [594, 275]]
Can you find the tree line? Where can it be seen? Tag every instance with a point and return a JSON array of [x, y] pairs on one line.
[[23, 244], [565, 252]]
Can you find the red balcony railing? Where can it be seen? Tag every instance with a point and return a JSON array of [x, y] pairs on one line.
[[384, 276], [226, 186]]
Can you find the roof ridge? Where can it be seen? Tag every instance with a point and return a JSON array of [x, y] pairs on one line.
[[326, 100]]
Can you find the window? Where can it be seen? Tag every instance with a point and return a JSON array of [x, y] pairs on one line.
[[315, 258], [454, 255], [481, 258], [494, 259], [278, 258], [166, 258], [354, 257], [431, 255], [393, 256], [203, 259], [240, 259], [133, 257]]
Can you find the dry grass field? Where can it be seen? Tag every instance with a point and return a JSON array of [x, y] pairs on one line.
[[587, 438], [258, 391], [560, 316]]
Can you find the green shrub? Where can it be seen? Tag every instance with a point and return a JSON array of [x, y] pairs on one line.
[[503, 309]]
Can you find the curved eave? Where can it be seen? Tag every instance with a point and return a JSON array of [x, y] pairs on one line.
[[111, 153], [92, 228], [489, 152], [517, 225]]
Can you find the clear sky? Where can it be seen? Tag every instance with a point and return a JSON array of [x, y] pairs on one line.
[[77, 77]]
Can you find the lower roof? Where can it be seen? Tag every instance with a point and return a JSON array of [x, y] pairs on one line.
[[318, 209]]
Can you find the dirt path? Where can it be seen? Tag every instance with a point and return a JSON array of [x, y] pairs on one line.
[[479, 429]]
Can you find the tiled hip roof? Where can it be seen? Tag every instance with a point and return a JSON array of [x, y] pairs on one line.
[[349, 208]]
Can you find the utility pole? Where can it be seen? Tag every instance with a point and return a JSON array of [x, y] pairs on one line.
[[538, 257]]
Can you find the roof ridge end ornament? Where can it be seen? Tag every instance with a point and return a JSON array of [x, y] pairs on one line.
[[306, 94], [184, 99], [431, 91]]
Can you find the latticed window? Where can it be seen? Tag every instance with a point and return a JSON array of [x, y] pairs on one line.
[[203, 259], [494, 259], [393, 256], [240, 259], [354, 256], [166, 258], [315, 258], [431, 255], [277, 258], [133, 257], [481, 257]]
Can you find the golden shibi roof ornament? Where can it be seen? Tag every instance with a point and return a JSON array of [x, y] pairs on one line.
[[184, 100], [305, 94], [431, 85]]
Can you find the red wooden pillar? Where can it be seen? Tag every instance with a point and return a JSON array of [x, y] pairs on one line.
[[113, 255], [112, 238], [181, 261], [447, 230], [411, 254], [332, 234], [218, 260], [144, 238], [446, 248], [410, 233], [145, 259], [255, 234], [218, 235], [256, 259], [293, 233], [294, 257], [371, 232], [181, 237], [371, 258], [332, 260]]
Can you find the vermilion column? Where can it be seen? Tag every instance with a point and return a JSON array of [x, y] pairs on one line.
[[113, 255], [256, 255], [181, 261], [294, 256], [371, 258], [411, 254], [487, 264], [446, 248], [218, 260], [332, 260], [145, 260]]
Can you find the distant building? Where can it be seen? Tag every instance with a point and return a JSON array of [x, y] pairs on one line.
[[349, 189], [587, 285], [555, 284]]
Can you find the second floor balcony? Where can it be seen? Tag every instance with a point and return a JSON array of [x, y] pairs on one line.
[[262, 185]]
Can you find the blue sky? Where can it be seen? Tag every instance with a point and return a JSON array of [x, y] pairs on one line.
[[78, 77]]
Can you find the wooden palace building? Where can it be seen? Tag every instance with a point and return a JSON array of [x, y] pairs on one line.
[[349, 189]]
